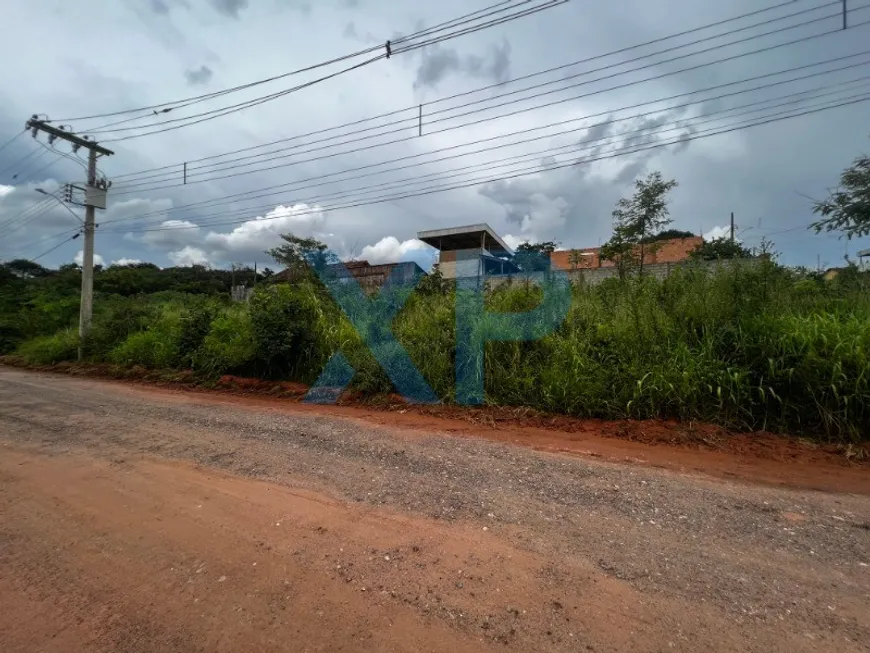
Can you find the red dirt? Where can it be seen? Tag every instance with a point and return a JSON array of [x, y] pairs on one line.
[[699, 448]]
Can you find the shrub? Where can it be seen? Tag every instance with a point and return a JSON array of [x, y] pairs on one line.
[[229, 346], [195, 326], [748, 347], [115, 320], [283, 323], [11, 335], [48, 350], [156, 347]]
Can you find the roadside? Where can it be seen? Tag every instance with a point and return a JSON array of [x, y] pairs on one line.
[[762, 458], [135, 519]]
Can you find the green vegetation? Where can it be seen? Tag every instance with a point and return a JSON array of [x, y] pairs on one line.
[[636, 221], [748, 347], [847, 209], [720, 249]]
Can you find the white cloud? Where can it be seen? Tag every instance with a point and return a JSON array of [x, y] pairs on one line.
[[126, 261], [188, 256], [137, 208], [543, 219], [250, 239], [514, 241], [718, 232], [79, 259], [172, 233], [5, 190], [390, 250]]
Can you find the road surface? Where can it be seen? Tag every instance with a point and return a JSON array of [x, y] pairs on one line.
[[136, 519]]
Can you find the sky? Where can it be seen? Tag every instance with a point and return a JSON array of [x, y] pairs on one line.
[[598, 125]]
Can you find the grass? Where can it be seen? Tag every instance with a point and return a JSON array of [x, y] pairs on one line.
[[746, 348]]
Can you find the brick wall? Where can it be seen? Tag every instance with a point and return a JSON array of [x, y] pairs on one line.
[[597, 275], [665, 251]]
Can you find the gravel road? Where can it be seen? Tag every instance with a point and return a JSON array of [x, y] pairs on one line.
[[457, 543]]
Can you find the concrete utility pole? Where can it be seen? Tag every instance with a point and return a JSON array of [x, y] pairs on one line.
[[95, 197], [732, 226]]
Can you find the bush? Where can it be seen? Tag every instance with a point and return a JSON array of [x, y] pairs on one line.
[[11, 336], [748, 347], [284, 328], [48, 350], [229, 346], [115, 320], [195, 326], [155, 348]]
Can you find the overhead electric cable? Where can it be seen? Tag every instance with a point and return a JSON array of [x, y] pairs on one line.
[[524, 77], [583, 126], [534, 169]]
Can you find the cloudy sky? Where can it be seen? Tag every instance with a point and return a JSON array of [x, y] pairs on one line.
[[552, 170]]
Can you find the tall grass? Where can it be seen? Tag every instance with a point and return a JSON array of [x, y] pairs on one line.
[[747, 348]]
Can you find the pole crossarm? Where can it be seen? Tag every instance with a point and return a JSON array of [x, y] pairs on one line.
[[57, 132]]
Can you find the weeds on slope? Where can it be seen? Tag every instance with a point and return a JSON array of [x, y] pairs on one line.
[[745, 347]]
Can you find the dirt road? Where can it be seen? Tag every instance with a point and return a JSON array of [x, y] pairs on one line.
[[148, 520]]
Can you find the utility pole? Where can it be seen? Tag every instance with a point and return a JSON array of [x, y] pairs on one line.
[[95, 197], [732, 226]]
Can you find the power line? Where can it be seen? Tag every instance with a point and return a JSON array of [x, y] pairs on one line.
[[43, 238], [59, 245], [12, 140], [488, 87], [533, 170], [571, 120], [609, 112], [481, 89], [207, 96], [20, 161], [224, 111], [147, 182], [50, 163], [19, 221], [24, 169], [15, 221]]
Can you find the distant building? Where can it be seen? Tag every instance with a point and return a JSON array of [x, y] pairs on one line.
[[368, 276], [674, 250], [471, 251]]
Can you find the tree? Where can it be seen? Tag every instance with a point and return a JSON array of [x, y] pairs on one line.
[[847, 209], [534, 257], [720, 249], [638, 218], [302, 256], [669, 234], [619, 250], [574, 258], [26, 269]]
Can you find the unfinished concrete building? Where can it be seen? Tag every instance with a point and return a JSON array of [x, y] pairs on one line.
[[469, 252]]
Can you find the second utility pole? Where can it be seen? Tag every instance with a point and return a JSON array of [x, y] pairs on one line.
[[87, 304], [95, 197]]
